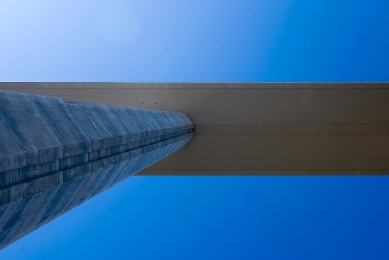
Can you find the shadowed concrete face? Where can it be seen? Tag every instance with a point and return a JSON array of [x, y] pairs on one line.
[[258, 128], [29, 205], [56, 153]]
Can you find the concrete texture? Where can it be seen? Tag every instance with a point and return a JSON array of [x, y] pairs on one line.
[[38, 129], [258, 128], [56, 153], [30, 205]]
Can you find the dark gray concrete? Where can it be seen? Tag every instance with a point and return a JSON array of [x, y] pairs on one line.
[[56, 153], [27, 206]]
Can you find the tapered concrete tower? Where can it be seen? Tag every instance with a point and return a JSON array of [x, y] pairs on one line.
[[57, 153]]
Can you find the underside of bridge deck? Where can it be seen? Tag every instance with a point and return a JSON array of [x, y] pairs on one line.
[[257, 128]]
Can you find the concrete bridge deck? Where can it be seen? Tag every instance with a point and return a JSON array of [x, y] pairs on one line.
[[257, 128]]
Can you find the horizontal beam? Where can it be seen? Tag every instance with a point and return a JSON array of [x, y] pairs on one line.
[[258, 128]]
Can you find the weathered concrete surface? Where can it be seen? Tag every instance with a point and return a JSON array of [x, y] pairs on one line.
[[34, 203], [258, 128], [38, 130], [56, 153]]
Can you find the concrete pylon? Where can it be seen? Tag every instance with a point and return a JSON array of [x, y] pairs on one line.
[[57, 153]]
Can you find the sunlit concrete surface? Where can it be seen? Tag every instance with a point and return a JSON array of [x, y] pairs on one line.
[[258, 128]]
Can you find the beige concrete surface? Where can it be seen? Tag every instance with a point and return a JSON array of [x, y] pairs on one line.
[[258, 128]]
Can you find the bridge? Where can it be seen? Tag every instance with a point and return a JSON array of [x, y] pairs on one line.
[[257, 128]]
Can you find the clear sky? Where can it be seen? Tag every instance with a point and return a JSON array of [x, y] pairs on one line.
[[216, 41]]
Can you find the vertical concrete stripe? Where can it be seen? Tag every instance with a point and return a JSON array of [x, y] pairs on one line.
[[67, 117], [85, 123], [13, 121], [56, 123], [37, 125]]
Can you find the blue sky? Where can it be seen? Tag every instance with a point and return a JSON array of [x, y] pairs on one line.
[[217, 41]]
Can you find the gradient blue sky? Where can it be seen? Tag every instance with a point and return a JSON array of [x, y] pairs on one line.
[[184, 40]]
